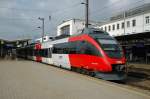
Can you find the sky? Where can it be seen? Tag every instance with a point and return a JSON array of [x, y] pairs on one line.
[[19, 18]]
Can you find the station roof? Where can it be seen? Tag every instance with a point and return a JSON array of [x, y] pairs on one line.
[[14, 41], [145, 35]]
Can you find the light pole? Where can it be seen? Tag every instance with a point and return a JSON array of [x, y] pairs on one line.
[[124, 19], [42, 19], [86, 13]]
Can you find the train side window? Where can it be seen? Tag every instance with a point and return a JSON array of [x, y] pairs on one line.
[[43, 52], [46, 52], [40, 52], [65, 48], [58, 49], [80, 47], [50, 52], [54, 49], [35, 52], [72, 47], [91, 49]]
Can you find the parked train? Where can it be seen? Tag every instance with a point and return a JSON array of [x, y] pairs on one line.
[[92, 52]]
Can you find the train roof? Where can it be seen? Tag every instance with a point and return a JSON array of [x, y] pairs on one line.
[[94, 31], [89, 31]]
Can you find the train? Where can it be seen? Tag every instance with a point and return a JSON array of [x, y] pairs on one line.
[[93, 52]]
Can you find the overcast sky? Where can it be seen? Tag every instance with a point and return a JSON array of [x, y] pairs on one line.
[[19, 18]]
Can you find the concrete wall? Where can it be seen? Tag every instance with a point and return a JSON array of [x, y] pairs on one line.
[[75, 26]]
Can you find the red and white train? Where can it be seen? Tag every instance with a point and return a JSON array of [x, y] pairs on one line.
[[93, 52]]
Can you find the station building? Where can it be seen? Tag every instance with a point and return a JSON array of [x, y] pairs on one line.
[[73, 27], [133, 21], [132, 29]]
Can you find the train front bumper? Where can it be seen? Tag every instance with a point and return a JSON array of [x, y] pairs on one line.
[[111, 75]]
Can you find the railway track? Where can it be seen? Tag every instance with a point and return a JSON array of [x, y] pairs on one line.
[[139, 79], [136, 78]]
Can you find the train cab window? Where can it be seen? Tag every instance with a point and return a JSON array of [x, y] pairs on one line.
[[111, 47]]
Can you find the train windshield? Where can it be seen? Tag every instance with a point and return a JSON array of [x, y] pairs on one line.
[[111, 47]]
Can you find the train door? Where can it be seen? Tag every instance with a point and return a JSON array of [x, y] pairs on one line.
[[64, 61], [49, 59]]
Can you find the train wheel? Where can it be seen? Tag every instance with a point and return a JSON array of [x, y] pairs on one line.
[[92, 74], [82, 71]]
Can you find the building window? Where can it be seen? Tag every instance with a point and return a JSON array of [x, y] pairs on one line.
[[65, 30], [122, 25], [128, 23], [147, 19], [118, 27], [44, 38], [114, 27], [109, 28], [133, 23], [105, 28]]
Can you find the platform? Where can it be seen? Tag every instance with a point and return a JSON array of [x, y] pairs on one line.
[[31, 80]]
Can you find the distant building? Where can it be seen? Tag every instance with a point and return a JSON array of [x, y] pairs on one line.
[[45, 39], [73, 26], [8, 47], [133, 21]]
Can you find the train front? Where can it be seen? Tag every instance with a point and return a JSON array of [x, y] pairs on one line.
[[112, 63], [114, 59]]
